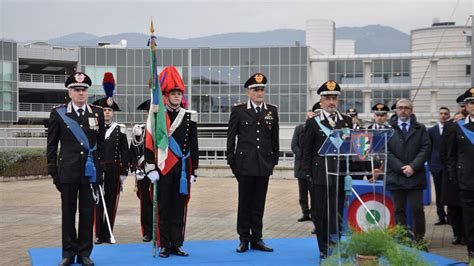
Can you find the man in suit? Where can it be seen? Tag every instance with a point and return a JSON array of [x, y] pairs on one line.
[[436, 166], [79, 129], [325, 195], [114, 164], [408, 149], [252, 153], [304, 187], [461, 168], [179, 172]]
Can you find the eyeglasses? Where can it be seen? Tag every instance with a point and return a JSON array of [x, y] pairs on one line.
[[403, 108]]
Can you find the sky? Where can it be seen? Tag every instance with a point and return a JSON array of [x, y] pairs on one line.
[[23, 20]]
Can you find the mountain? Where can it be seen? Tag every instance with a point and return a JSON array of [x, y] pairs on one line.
[[374, 39], [369, 39], [72, 38]]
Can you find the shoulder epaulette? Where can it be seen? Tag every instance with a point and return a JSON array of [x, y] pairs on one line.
[[194, 115], [239, 104], [96, 106], [59, 105], [123, 128], [270, 104]]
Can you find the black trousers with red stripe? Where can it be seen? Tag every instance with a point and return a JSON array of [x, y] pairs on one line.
[[112, 191]]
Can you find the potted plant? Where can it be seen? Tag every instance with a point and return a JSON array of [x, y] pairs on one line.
[[376, 246]]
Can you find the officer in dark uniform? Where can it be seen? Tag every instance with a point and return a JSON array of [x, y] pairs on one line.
[[175, 179], [461, 168], [252, 153], [114, 164], [142, 184], [352, 112], [316, 130], [450, 187], [380, 111], [79, 129]]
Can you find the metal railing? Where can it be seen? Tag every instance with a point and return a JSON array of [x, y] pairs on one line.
[[36, 107], [42, 78]]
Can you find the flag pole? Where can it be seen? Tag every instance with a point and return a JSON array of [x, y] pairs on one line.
[[152, 84]]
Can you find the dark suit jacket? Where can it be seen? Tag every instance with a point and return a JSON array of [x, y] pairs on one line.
[[435, 163], [297, 148], [314, 137], [70, 165], [460, 156], [116, 150], [413, 150], [253, 145]]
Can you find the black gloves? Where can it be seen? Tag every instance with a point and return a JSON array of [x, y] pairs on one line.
[[56, 182]]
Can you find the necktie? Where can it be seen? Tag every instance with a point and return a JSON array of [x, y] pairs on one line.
[[404, 128], [80, 111], [258, 109]]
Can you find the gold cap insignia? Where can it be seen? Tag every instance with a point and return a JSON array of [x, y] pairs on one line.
[[79, 77], [259, 78], [331, 85], [380, 106], [471, 91]]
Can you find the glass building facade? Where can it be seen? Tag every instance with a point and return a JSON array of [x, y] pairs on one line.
[[8, 82], [381, 71], [214, 78]]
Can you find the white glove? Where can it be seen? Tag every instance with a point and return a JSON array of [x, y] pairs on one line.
[[193, 179], [139, 175], [122, 178], [153, 176]]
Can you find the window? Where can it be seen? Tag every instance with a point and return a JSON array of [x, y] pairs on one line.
[[468, 69]]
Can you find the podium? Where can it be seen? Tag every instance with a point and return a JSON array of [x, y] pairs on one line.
[[369, 204]]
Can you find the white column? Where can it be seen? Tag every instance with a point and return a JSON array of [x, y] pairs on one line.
[[367, 71], [434, 100], [366, 94]]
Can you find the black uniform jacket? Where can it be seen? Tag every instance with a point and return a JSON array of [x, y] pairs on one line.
[[69, 166], [461, 156], [314, 137], [253, 146], [116, 149]]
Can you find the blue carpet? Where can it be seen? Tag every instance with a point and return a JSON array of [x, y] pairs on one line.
[[288, 251]]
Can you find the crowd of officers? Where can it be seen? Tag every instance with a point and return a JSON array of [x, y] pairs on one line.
[[447, 147], [94, 159]]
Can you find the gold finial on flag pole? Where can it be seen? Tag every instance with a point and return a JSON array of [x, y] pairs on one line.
[[152, 29]]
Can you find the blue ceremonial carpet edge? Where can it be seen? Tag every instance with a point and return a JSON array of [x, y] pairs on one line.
[[288, 251]]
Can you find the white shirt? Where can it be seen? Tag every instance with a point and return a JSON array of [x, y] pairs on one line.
[[327, 114], [75, 107], [440, 128], [256, 105]]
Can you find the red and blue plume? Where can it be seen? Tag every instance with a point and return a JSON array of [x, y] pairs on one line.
[[108, 84]]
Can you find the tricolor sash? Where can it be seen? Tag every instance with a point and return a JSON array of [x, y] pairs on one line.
[[336, 141]]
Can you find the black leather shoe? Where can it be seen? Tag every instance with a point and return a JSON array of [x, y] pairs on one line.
[[146, 238], [243, 246], [66, 261], [85, 261], [314, 231], [440, 222], [180, 252], [323, 255], [165, 252], [98, 241], [260, 245], [108, 241], [456, 240], [304, 218]]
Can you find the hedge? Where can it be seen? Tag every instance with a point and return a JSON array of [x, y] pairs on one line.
[[23, 162]]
